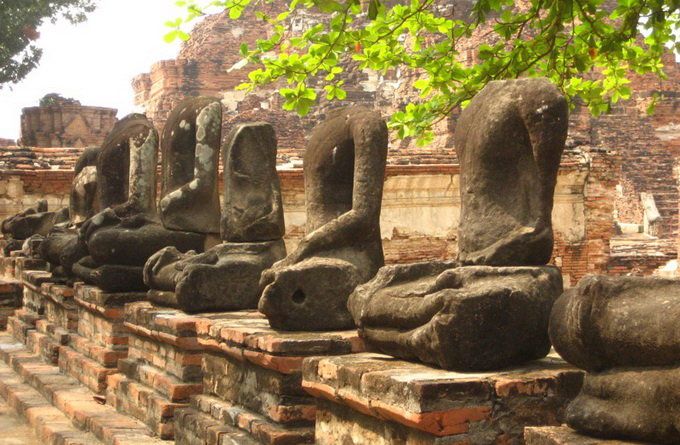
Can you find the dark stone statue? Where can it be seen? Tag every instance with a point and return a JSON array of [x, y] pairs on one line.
[[624, 331], [35, 220], [482, 317], [472, 318], [509, 142], [61, 247], [121, 239], [226, 277], [344, 174]]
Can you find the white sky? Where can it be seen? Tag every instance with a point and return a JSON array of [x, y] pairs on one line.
[[95, 61]]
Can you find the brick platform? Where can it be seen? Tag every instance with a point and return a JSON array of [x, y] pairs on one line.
[[100, 338], [252, 379], [376, 399], [162, 369], [11, 293], [50, 315], [7, 266], [563, 435], [24, 320]]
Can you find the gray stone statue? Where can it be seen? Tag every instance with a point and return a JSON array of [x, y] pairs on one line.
[[481, 317], [625, 332], [61, 247], [344, 174], [121, 239], [226, 277], [35, 220]]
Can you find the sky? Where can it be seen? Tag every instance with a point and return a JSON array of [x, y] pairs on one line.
[[95, 61]]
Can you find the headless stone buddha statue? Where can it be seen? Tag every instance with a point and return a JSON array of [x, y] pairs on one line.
[[35, 220], [625, 332], [467, 315], [226, 277], [61, 247], [344, 169], [121, 239]]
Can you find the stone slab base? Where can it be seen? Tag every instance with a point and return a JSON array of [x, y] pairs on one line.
[[563, 435], [63, 410], [423, 405]]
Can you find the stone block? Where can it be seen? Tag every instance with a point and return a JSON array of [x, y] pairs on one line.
[[424, 405]]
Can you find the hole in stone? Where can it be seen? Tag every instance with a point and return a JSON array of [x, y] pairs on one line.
[[298, 297]]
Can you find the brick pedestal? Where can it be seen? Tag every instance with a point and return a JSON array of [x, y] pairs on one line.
[[23, 264], [58, 321], [563, 435], [99, 339], [162, 369], [33, 302], [11, 293], [378, 400], [7, 266], [252, 381]]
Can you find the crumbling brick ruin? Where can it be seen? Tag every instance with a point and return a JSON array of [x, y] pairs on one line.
[[60, 122]]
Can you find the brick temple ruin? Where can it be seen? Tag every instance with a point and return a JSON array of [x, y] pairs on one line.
[[89, 366], [60, 122]]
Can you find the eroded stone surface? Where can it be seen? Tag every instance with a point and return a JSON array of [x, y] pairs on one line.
[[607, 322], [463, 318], [62, 247], [509, 141], [344, 174], [227, 276], [191, 147], [629, 403], [35, 220], [624, 331]]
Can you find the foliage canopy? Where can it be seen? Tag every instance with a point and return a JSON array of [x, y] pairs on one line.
[[19, 21], [588, 48]]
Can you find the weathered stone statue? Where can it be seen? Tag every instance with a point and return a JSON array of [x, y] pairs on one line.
[[344, 174], [35, 220], [476, 317], [625, 332], [121, 239], [227, 276], [61, 247]]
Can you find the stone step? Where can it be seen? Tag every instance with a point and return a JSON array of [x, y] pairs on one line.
[[199, 428], [105, 356], [48, 423], [18, 328], [64, 394], [256, 425], [143, 403], [165, 384], [89, 372], [41, 344]]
